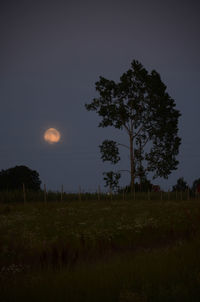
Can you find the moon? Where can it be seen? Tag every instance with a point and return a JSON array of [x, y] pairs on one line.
[[52, 136]]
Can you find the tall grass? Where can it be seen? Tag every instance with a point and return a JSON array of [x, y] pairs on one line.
[[107, 250], [164, 274]]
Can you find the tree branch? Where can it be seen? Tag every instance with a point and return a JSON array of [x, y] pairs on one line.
[[127, 128], [125, 171], [145, 143], [123, 145], [137, 132]]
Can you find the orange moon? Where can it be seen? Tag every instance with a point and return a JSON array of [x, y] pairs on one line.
[[52, 136]]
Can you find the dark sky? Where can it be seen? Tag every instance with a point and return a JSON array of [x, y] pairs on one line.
[[51, 55]]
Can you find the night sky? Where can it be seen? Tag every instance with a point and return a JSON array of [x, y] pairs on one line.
[[51, 55]]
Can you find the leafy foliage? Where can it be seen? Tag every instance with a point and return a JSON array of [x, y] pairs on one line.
[[196, 185], [140, 105], [145, 186], [109, 151], [181, 185], [13, 178], [112, 179]]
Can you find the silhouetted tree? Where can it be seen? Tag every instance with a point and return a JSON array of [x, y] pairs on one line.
[[140, 105], [145, 186], [181, 185], [112, 179], [13, 178], [196, 185]]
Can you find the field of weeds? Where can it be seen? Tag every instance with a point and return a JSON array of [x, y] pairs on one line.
[[100, 251]]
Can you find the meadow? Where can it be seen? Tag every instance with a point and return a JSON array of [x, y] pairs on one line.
[[100, 248]]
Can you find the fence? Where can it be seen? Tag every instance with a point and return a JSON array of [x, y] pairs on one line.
[[25, 195]]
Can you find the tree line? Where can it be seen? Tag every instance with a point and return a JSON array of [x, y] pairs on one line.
[[13, 179], [182, 186]]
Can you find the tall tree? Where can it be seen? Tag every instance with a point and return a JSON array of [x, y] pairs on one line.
[[140, 105]]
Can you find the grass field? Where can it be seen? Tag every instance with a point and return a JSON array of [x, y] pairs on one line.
[[107, 250]]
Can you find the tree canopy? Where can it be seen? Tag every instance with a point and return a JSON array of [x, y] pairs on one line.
[[196, 185], [112, 180], [139, 105], [181, 185], [14, 178]]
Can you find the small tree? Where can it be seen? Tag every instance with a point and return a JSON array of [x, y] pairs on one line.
[[196, 185], [181, 185], [145, 186], [13, 178], [112, 180], [139, 105]]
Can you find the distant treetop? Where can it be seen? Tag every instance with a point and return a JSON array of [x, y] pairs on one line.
[[13, 179]]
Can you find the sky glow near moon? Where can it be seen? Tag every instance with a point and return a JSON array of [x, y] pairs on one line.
[[52, 136]]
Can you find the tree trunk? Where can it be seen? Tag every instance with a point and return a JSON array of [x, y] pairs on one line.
[[140, 171], [132, 163]]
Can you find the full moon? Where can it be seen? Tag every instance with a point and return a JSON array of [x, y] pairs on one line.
[[52, 136]]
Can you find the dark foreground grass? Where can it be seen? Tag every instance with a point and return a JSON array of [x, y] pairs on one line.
[[100, 251], [164, 274]]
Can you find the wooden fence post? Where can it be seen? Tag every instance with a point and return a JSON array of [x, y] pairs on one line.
[[188, 194], [79, 193], [45, 193], [61, 195], [99, 192], [123, 195], [111, 197], [24, 193]]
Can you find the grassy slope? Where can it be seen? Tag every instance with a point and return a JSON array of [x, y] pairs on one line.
[[100, 251]]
